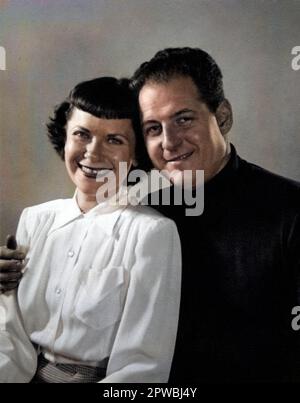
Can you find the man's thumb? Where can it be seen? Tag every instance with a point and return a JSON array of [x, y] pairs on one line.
[[11, 242]]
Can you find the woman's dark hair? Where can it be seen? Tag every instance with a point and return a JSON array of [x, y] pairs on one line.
[[188, 62], [104, 97]]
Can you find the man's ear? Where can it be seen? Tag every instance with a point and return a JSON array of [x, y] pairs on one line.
[[224, 117]]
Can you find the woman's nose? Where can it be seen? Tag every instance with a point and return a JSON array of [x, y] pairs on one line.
[[94, 150]]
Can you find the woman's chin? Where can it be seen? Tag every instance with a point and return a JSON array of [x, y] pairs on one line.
[[88, 191]]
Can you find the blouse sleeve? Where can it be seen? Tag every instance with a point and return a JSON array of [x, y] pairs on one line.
[[145, 341], [18, 359], [22, 236]]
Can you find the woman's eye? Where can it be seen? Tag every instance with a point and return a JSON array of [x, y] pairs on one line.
[[184, 120], [82, 135]]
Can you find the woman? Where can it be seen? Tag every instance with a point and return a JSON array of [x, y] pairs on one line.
[[100, 294]]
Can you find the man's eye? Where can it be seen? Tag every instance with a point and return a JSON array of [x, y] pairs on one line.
[[152, 130], [114, 140]]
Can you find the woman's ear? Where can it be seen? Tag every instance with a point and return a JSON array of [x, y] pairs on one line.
[[224, 116]]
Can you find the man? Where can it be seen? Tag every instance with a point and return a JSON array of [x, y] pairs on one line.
[[241, 260]]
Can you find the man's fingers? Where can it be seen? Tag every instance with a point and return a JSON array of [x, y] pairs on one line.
[[11, 250], [11, 242], [11, 265], [9, 254], [8, 286], [10, 275], [6, 278]]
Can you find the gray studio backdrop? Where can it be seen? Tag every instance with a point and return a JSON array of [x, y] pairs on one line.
[[52, 45]]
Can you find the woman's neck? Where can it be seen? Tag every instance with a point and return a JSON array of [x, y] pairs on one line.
[[85, 202]]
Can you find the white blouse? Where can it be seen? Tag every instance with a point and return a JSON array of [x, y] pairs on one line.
[[101, 285]]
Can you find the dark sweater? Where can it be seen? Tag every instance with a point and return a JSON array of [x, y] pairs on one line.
[[241, 279]]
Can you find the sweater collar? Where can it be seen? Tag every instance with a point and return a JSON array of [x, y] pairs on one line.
[[227, 174]]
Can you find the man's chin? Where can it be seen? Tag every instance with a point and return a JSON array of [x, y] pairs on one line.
[[186, 179], [176, 177]]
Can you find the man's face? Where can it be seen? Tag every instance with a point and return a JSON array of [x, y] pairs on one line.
[[180, 132]]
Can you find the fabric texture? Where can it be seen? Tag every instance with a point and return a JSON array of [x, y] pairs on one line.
[[47, 372], [98, 285], [241, 279]]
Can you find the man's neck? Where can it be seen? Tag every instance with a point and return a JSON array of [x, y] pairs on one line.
[[221, 162]]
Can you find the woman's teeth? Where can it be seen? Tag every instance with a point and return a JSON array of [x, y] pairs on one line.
[[96, 172], [90, 170], [103, 172]]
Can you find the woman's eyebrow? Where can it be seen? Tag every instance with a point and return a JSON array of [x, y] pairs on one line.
[[124, 135], [84, 129]]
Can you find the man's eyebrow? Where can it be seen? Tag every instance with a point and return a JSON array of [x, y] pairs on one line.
[[150, 121], [175, 115], [185, 110]]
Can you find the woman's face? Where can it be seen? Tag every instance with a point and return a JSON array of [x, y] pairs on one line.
[[94, 146]]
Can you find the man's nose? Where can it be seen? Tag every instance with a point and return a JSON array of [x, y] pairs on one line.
[[171, 139]]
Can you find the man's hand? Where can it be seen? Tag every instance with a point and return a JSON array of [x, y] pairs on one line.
[[11, 264]]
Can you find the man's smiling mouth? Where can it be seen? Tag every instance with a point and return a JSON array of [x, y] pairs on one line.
[[93, 172], [180, 157]]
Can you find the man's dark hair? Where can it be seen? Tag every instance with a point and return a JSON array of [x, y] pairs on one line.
[[187, 62], [104, 97]]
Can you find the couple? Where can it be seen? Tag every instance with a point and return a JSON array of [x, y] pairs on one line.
[[100, 316]]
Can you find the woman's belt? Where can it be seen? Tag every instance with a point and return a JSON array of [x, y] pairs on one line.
[[48, 372]]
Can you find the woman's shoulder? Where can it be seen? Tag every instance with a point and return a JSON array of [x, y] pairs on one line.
[[47, 207], [39, 216], [146, 216]]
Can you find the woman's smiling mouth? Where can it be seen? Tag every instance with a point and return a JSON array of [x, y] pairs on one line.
[[92, 172]]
